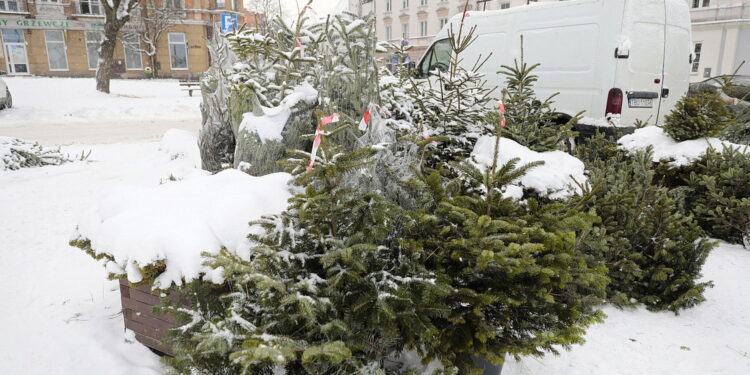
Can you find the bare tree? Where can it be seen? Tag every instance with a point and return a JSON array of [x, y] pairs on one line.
[[116, 15], [156, 17], [264, 11]]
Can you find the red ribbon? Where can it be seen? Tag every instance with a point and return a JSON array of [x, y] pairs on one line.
[[319, 137], [501, 107]]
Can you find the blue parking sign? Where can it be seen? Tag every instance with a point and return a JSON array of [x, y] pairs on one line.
[[228, 23]]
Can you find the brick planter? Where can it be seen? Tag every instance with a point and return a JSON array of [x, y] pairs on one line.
[[150, 328]]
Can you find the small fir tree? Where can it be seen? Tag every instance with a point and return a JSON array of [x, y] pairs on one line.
[[702, 115], [530, 121], [653, 250]]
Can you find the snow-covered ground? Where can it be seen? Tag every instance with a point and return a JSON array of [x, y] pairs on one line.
[[60, 315], [70, 110]]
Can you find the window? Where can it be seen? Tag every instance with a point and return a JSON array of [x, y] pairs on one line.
[[178, 51], [504, 5], [93, 42], [9, 5], [176, 4], [388, 32], [422, 28], [404, 31], [422, 2], [221, 4], [443, 22], [437, 57], [697, 3], [697, 57], [388, 5], [405, 4], [89, 7], [56, 56], [131, 43]]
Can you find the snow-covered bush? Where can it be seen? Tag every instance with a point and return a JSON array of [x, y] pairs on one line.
[[698, 116], [717, 192], [16, 153], [282, 77]]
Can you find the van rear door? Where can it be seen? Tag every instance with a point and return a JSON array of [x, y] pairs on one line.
[[640, 60], [676, 56]]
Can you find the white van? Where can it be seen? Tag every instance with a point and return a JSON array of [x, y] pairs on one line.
[[606, 57]]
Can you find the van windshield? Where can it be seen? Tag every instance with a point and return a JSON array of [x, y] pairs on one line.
[[437, 57]]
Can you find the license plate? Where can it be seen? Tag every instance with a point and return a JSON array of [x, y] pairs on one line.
[[640, 103]]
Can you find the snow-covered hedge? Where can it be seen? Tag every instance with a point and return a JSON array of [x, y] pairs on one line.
[[16, 153], [557, 178], [666, 148]]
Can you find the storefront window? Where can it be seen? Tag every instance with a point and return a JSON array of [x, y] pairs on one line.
[[178, 51], [56, 56], [132, 45], [93, 42], [9, 5], [12, 36]]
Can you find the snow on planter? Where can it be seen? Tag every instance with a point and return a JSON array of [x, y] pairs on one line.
[[666, 148], [177, 221], [555, 179]]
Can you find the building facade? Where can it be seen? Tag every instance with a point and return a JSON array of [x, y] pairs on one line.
[[721, 37], [62, 37]]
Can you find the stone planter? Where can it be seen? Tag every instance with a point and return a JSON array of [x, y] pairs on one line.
[[487, 366], [150, 328]]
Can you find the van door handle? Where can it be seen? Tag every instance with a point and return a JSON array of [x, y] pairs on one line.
[[664, 93]]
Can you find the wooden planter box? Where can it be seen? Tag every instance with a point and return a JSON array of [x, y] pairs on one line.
[[150, 328]]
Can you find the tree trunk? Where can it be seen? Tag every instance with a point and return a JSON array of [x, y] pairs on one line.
[[153, 65], [112, 26], [106, 54]]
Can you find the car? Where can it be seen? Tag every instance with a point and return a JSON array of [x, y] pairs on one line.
[[612, 58], [6, 100]]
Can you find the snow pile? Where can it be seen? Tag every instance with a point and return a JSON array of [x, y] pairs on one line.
[[268, 123], [557, 178], [17, 153], [666, 148], [177, 221], [181, 144]]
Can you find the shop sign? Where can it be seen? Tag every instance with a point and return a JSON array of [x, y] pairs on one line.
[[25, 23]]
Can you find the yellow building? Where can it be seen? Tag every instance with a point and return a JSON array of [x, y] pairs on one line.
[[61, 38]]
